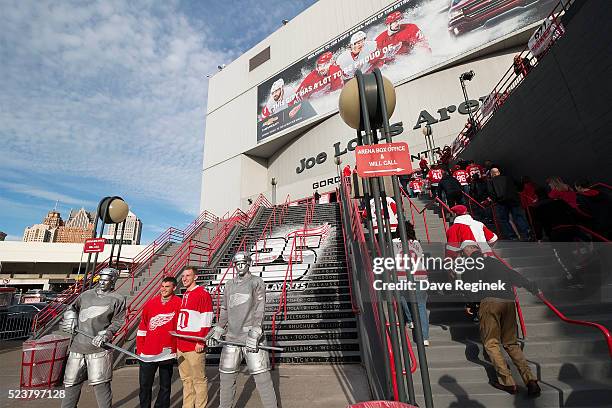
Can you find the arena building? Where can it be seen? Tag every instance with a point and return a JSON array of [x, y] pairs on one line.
[[422, 46]]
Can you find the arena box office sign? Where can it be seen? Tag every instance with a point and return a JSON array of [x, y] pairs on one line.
[[408, 37]]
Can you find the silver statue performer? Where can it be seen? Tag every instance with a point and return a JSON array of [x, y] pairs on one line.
[[99, 313], [241, 320]]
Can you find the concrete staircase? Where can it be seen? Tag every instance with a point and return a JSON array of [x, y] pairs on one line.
[[571, 362], [320, 326]]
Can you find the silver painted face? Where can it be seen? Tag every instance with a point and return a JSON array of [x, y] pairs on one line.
[[242, 267], [106, 283]]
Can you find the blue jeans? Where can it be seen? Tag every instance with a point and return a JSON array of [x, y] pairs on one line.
[[421, 298], [518, 216]]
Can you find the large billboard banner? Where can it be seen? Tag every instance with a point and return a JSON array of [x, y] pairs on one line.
[[402, 40]]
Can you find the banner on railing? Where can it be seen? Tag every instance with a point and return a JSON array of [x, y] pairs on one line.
[[543, 37]]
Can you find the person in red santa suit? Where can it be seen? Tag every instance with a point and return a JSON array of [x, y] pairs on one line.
[[159, 318], [325, 78], [463, 178], [400, 38], [465, 228]]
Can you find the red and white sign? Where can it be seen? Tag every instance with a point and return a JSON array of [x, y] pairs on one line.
[[94, 245], [543, 37], [383, 159]]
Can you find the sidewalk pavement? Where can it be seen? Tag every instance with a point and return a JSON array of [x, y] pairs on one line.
[[297, 386]]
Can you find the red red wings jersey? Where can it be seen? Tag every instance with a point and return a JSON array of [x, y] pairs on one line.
[[462, 177], [434, 176], [475, 169], [315, 85], [401, 42], [415, 185], [195, 317], [157, 321]]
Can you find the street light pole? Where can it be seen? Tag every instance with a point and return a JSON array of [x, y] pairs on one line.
[[467, 76], [273, 182]]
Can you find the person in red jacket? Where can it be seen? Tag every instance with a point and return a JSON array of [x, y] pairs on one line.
[[159, 317], [467, 229], [474, 168], [325, 78], [463, 178], [400, 38], [434, 176], [195, 319]]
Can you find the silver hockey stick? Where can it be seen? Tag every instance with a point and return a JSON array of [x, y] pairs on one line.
[[225, 342], [151, 359]]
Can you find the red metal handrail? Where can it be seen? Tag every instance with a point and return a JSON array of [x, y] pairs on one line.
[[585, 229], [508, 83], [560, 315]]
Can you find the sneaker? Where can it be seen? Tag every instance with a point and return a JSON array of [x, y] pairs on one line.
[[533, 389], [410, 325], [510, 389], [426, 343]]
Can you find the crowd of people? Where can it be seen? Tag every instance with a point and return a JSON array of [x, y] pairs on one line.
[[519, 208]]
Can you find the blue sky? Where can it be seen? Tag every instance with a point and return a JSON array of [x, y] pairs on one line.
[[108, 98]]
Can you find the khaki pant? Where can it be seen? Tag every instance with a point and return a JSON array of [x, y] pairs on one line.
[[193, 375], [498, 321]]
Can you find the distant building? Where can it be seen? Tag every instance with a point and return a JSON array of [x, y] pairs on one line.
[[78, 228], [53, 219], [132, 232], [2, 235], [39, 233]]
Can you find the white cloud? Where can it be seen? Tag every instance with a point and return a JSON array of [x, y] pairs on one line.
[[43, 194], [112, 91]]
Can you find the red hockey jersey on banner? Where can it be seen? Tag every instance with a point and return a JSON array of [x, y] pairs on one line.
[[465, 228], [315, 85], [401, 42], [195, 317], [157, 321]]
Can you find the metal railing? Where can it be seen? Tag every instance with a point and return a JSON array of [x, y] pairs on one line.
[[191, 249], [15, 325], [138, 264], [509, 82]]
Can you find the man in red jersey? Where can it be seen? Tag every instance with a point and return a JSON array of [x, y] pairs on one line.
[[325, 78], [434, 176], [474, 168], [159, 317], [400, 38], [463, 178], [195, 319]]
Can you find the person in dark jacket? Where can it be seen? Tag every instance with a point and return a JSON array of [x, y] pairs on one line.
[[503, 192], [497, 317], [452, 189], [480, 193]]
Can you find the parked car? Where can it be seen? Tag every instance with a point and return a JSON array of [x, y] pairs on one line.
[[467, 15], [16, 320]]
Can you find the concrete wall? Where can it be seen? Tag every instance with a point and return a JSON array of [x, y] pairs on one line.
[[558, 121], [228, 185], [38, 252]]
